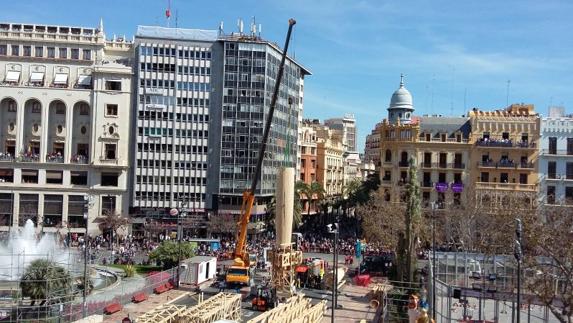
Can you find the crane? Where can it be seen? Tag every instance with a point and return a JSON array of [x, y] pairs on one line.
[[238, 273]]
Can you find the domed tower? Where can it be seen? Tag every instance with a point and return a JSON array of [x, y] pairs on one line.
[[401, 107]]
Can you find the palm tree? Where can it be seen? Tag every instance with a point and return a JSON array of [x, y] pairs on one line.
[[112, 221], [45, 281], [297, 211], [315, 189], [349, 194]]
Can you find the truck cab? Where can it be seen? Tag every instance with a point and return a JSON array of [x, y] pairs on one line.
[[237, 276]]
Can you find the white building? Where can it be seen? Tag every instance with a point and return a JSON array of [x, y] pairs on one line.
[[346, 126], [64, 125], [556, 160]]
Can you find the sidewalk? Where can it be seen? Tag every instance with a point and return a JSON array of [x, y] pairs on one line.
[[135, 310], [355, 305]]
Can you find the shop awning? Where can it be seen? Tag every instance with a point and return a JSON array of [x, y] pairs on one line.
[[13, 76], [37, 77], [61, 78], [53, 175], [29, 172]]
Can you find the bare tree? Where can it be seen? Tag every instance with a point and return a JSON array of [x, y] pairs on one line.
[[382, 221], [222, 223]]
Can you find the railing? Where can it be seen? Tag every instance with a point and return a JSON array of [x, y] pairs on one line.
[[559, 176], [506, 164], [448, 140], [403, 164], [425, 165], [426, 184], [506, 186], [6, 157], [560, 152], [54, 158], [79, 159], [29, 158], [487, 164], [505, 144], [526, 165], [458, 165]]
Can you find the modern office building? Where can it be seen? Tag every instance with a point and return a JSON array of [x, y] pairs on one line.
[[556, 160], [246, 68], [203, 98], [171, 126], [65, 98], [346, 126]]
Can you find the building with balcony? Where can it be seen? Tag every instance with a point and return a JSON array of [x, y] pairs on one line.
[[372, 146], [330, 161], [308, 152], [65, 95], [504, 154], [438, 146], [556, 160]]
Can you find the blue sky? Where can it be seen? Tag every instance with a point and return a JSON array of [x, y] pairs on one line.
[[456, 54]]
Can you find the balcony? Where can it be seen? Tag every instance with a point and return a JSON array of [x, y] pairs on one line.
[[506, 186], [6, 157], [425, 165], [426, 184], [29, 158], [506, 164], [79, 159], [555, 152], [504, 143], [458, 165], [526, 165], [404, 163], [54, 158], [489, 163]]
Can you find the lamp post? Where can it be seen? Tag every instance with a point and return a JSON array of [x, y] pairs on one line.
[[88, 202], [434, 206], [178, 212], [333, 228], [518, 256]]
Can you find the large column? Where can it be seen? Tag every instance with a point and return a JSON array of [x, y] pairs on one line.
[[284, 206], [45, 112], [69, 132], [20, 114]]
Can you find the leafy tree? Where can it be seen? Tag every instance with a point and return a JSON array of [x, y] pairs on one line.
[[167, 253], [222, 223], [112, 222], [46, 282], [297, 208]]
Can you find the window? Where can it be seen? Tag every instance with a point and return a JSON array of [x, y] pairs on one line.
[[54, 177], [79, 178], [63, 53], [551, 170], [553, 145], [51, 52], [29, 176], [569, 146], [522, 178], [485, 135], [15, 50], [388, 156], [87, 54], [504, 178], [6, 175], [75, 53], [569, 195], [111, 110], [569, 170], [387, 175], [505, 135], [27, 51], [442, 177], [107, 204], [484, 177], [551, 194], [28, 208], [3, 50], [110, 151], [39, 51], [113, 85], [109, 179], [77, 205]]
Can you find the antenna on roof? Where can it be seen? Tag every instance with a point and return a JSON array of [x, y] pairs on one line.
[[507, 93], [176, 18], [220, 28], [260, 29], [168, 12], [240, 25], [253, 27]]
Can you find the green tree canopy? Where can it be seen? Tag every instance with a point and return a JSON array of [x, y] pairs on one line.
[[167, 253], [46, 282]]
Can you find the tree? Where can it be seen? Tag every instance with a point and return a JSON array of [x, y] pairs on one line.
[[46, 282], [167, 253], [222, 223], [382, 221], [550, 260], [412, 223], [311, 191], [112, 221]]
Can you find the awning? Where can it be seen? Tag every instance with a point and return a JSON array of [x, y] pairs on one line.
[[13, 76], [61, 78], [54, 175], [301, 269], [29, 172], [6, 172], [85, 80], [37, 77]]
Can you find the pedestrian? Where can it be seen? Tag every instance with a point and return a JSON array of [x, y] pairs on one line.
[[222, 286]]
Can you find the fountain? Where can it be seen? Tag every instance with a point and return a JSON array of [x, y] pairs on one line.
[[24, 246]]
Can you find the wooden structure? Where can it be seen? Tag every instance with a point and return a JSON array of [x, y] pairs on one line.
[[297, 309], [283, 262], [223, 306]]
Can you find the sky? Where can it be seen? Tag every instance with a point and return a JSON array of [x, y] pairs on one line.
[[455, 54]]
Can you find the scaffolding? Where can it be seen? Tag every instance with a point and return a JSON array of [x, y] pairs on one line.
[[223, 306], [284, 260], [297, 309]]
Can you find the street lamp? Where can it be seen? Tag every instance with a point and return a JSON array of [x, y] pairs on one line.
[[518, 256], [434, 207], [333, 228], [178, 212], [88, 202]]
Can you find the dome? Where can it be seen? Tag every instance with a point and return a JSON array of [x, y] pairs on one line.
[[401, 99]]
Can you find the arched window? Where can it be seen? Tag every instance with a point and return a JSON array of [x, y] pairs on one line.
[[388, 155], [404, 157]]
